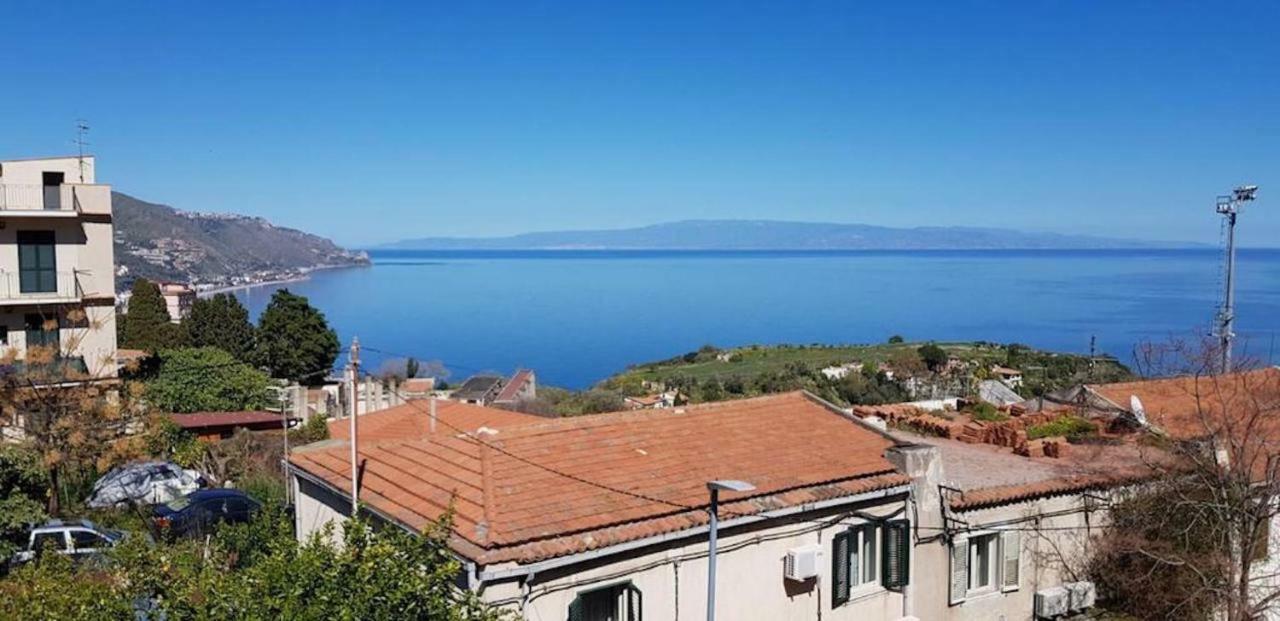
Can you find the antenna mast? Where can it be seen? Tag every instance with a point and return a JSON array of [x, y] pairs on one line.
[[82, 128], [1229, 207]]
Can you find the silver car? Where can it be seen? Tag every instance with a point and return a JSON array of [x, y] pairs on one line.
[[79, 539]]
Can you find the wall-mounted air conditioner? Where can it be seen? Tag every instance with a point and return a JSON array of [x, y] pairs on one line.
[[1083, 595], [802, 563], [1052, 603]]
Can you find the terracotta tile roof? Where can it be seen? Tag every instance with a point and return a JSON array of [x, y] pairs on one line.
[[1193, 407], [795, 449], [1006, 494], [198, 420], [412, 420], [513, 387]]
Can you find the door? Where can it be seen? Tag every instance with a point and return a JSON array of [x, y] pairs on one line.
[[53, 187], [37, 262]]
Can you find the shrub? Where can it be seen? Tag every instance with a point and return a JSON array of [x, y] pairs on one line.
[[987, 413], [206, 379], [1062, 426]]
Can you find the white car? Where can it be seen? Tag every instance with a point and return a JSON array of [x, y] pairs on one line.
[[79, 539], [145, 483]]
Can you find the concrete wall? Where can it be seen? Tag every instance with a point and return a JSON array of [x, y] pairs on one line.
[[750, 583], [672, 577], [29, 172], [1052, 548]]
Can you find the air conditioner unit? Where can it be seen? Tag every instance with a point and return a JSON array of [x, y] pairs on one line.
[[1083, 595], [1053, 603], [802, 563]]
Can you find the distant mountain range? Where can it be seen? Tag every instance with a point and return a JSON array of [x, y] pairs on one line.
[[779, 235], [159, 242]]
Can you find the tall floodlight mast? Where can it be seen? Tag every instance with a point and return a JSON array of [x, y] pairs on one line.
[[1229, 207]]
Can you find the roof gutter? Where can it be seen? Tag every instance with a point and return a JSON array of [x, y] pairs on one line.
[[526, 571]]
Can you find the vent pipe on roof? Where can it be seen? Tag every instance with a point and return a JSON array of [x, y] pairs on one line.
[[433, 413]]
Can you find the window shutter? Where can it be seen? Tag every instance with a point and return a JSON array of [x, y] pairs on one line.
[[840, 568], [959, 569], [1011, 553], [634, 603], [576, 612], [895, 570]]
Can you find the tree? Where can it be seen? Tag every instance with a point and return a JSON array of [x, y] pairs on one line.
[[411, 367], [1201, 529], [222, 322], [24, 487], [933, 356], [206, 379], [147, 325], [295, 341], [895, 339]]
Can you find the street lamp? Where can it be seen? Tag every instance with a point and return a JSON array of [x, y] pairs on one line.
[[715, 487]]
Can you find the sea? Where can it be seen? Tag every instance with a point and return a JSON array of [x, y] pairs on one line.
[[578, 316]]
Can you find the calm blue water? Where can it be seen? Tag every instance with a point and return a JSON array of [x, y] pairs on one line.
[[579, 316]]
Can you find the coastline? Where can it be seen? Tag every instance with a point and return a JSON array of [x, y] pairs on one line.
[[304, 276]]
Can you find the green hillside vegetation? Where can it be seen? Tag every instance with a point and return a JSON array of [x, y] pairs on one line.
[[711, 373]]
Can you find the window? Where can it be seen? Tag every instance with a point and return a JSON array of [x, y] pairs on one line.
[[619, 602], [985, 563], [48, 541], [4, 336], [37, 263], [869, 555], [42, 332], [87, 539], [982, 562]]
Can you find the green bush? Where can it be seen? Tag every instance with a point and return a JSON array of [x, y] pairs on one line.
[[206, 379], [987, 413], [1062, 426]]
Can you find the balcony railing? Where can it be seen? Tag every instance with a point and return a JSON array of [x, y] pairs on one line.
[[65, 199], [36, 287]]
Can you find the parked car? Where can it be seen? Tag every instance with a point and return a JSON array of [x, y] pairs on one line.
[[79, 539], [200, 512], [146, 483]]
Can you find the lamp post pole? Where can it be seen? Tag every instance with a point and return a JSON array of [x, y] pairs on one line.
[[711, 555], [714, 487]]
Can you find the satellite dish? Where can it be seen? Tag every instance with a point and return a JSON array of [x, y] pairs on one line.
[[1139, 412]]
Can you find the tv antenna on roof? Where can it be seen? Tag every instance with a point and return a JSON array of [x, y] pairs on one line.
[[1229, 207], [82, 128]]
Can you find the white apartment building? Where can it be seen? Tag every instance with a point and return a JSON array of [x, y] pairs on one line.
[[57, 267]]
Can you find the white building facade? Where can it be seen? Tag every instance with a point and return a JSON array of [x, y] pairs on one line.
[[57, 265]]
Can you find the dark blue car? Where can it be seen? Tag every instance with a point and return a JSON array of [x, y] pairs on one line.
[[200, 512]]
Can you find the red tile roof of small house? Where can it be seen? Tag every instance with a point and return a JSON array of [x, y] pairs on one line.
[[413, 420], [553, 488], [205, 420], [513, 387]]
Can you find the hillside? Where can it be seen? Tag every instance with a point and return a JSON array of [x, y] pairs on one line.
[[159, 242], [711, 373], [778, 235]]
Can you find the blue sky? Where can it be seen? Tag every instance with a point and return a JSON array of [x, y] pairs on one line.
[[370, 122]]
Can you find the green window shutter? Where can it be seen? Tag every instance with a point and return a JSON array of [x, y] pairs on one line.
[[576, 612], [959, 569], [634, 603], [840, 568], [895, 557]]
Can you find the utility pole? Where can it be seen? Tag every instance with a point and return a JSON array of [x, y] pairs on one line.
[[353, 366], [1229, 207]]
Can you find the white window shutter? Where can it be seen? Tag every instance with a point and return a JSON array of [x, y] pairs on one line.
[[1011, 554], [959, 569]]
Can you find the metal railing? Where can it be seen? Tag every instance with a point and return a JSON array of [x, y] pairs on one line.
[[44, 286], [68, 197]]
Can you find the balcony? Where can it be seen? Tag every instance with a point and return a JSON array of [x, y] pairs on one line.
[[40, 287], [69, 200]]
